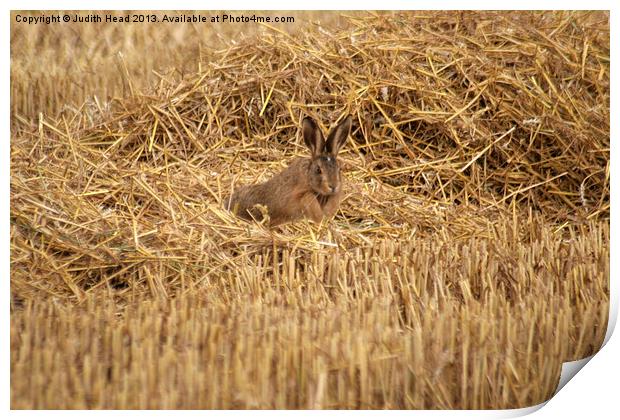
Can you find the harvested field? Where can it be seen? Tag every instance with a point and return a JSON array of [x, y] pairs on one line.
[[468, 260]]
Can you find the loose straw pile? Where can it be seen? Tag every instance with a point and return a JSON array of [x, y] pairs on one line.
[[461, 119]]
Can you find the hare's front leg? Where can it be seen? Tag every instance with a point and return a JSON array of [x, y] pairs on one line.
[[311, 208], [331, 205]]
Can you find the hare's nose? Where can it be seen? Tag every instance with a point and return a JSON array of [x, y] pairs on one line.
[[333, 189]]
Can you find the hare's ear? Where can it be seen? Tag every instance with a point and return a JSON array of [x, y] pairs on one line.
[[312, 136], [338, 136]]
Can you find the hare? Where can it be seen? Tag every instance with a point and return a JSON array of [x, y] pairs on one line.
[[307, 188]]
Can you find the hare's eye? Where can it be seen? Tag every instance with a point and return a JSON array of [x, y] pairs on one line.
[[318, 170]]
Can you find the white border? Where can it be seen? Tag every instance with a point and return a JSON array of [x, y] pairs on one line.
[[598, 382], [314, 5]]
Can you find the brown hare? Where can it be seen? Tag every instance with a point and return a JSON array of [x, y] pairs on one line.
[[308, 187]]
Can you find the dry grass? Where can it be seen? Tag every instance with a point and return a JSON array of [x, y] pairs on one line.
[[438, 324], [469, 258], [56, 67]]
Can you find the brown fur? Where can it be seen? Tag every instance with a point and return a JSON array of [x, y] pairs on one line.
[[307, 188]]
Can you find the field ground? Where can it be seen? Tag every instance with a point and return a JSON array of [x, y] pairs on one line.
[[470, 256]]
